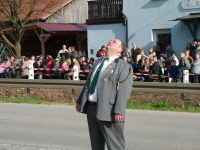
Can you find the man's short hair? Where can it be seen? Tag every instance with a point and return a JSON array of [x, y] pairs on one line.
[[198, 45], [103, 46], [195, 40], [122, 46], [72, 47]]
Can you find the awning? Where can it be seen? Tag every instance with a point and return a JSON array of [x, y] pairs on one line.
[[190, 17], [54, 27], [193, 19], [62, 27]]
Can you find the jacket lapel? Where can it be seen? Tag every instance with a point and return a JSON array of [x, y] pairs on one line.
[[110, 69], [92, 70]]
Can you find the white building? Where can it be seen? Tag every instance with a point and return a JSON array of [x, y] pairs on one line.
[[146, 22]]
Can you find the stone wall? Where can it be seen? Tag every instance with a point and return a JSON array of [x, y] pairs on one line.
[[64, 95]]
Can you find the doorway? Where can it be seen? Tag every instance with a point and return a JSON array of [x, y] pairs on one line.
[[162, 38]]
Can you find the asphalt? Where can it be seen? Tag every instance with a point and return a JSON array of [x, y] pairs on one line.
[[54, 127]]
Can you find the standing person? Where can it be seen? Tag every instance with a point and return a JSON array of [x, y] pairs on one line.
[[104, 98], [184, 64], [25, 67], [187, 54], [102, 52], [126, 53], [74, 53], [196, 68], [156, 50], [81, 53], [189, 46], [135, 52], [63, 51], [194, 52], [168, 52], [194, 45], [151, 52]]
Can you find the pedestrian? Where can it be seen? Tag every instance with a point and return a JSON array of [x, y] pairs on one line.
[[104, 98]]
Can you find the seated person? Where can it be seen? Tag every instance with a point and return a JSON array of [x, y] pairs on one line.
[[38, 64], [154, 66], [56, 65], [138, 78], [69, 75]]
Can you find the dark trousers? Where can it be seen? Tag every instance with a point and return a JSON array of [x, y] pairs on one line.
[[2, 75], [195, 78], [102, 132], [57, 74]]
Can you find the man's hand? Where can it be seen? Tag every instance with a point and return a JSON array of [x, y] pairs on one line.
[[78, 107], [118, 118]]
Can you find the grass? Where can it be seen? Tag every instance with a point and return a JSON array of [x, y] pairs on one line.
[[161, 106], [27, 100], [131, 104]]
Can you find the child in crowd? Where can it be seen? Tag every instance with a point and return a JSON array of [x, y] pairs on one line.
[[174, 71]]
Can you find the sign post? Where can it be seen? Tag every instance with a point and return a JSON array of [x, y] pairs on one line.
[[30, 72]]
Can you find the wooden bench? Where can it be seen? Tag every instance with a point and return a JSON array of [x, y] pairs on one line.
[[83, 76]]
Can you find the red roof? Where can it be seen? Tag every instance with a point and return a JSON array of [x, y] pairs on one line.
[[62, 26], [42, 9]]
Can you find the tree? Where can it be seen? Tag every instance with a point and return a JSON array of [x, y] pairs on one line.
[[18, 13]]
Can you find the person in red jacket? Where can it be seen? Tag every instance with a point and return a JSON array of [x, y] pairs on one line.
[[102, 52], [49, 63]]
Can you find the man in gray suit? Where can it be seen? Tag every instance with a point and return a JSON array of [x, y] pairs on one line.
[[104, 101]]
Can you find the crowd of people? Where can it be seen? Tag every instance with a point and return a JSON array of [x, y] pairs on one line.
[[164, 66], [60, 67]]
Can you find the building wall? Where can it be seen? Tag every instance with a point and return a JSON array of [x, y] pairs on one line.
[[146, 15], [99, 35], [74, 12]]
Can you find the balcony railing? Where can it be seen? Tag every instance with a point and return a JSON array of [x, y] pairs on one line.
[[103, 9]]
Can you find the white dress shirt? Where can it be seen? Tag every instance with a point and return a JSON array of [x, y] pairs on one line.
[[93, 97]]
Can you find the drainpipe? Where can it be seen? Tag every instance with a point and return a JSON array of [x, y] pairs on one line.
[[126, 24]]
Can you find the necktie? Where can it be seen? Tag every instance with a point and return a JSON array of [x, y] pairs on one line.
[[96, 77]]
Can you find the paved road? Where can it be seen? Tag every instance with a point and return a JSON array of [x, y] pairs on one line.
[[51, 127]]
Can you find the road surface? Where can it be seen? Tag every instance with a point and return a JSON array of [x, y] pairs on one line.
[[56, 127]]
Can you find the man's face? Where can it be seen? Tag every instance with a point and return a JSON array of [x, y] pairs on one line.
[[114, 46], [169, 47], [64, 46], [133, 44], [147, 60]]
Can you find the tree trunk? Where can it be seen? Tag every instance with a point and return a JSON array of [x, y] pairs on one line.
[[18, 48]]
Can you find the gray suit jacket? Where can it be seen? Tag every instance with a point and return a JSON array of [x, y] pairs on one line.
[[109, 99]]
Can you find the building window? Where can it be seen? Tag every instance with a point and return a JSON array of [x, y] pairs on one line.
[[161, 38]]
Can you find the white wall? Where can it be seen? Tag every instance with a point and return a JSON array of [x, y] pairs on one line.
[[99, 35], [145, 15]]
